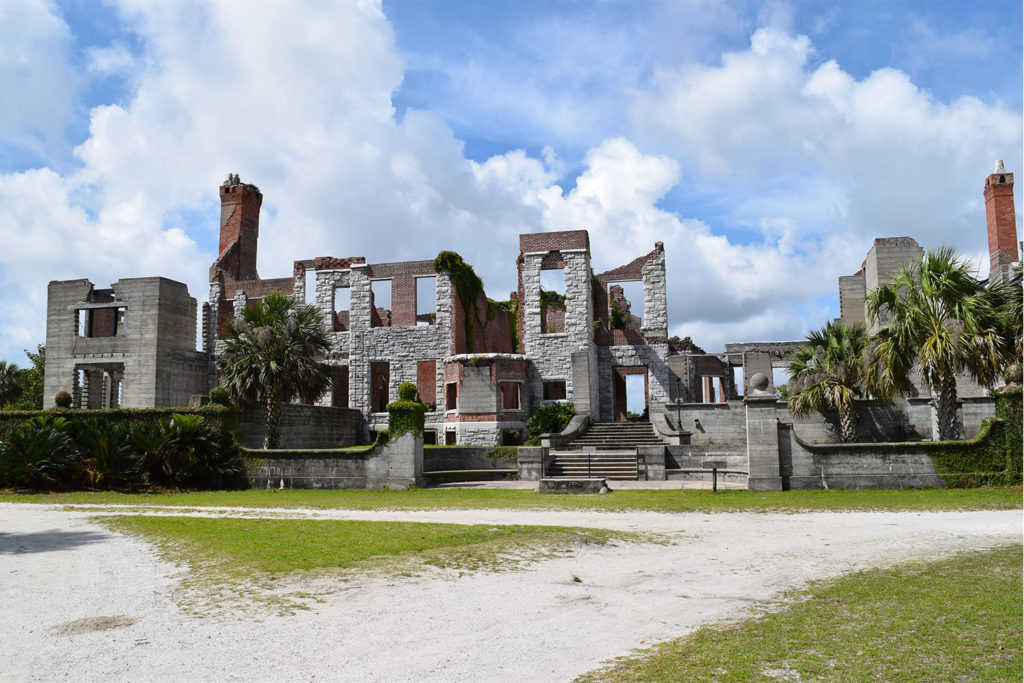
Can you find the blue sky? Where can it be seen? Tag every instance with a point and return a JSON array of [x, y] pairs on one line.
[[766, 143]]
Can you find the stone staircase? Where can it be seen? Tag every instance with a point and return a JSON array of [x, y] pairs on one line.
[[619, 435], [607, 450], [619, 464]]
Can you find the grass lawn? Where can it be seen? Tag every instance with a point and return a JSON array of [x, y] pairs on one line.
[[957, 619], [230, 547], [660, 501]]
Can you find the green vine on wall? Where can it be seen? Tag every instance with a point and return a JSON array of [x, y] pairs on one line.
[[467, 283], [406, 415]]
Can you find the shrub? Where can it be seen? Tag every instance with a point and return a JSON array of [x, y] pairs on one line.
[[39, 454], [219, 396], [551, 418], [62, 399], [407, 391], [106, 449]]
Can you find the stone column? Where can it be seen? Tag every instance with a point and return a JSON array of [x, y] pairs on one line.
[[762, 436]]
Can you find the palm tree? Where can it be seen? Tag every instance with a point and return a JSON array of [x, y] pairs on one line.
[[828, 372], [939, 320], [272, 356], [11, 383]]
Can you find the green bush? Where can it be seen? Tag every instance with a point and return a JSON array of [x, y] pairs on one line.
[[102, 451], [549, 419], [407, 391], [39, 454], [219, 396], [62, 399], [106, 451]]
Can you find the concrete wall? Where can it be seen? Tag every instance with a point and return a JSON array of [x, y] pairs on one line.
[[303, 426], [396, 465], [153, 354], [852, 466], [719, 422], [473, 458]]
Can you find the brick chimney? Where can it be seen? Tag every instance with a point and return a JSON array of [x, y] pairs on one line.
[[999, 214], [239, 226]]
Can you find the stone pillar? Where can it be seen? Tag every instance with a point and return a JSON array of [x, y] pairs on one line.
[[401, 463], [762, 436], [92, 393]]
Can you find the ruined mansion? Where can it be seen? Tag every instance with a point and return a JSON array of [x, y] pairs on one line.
[[482, 366]]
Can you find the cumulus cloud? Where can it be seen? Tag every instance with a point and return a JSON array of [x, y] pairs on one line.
[[38, 82], [297, 98], [890, 158]]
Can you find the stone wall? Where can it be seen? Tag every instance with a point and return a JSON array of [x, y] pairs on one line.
[[653, 356], [396, 465], [852, 466], [303, 426]]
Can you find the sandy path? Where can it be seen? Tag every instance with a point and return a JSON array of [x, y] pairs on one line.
[[56, 567]]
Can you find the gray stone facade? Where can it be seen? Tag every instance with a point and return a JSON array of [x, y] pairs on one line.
[[132, 346]]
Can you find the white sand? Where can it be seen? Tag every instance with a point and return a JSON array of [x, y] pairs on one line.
[[80, 603]]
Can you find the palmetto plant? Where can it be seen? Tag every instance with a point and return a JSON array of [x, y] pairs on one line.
[[828, 373], [273, 355], [39, 454], [939, 320]]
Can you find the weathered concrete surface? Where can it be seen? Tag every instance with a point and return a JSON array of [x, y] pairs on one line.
[[303, 426]]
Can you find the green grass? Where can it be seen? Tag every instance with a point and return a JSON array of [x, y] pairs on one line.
[[660, 500], [958, 619], [234, 561], [280, 546]]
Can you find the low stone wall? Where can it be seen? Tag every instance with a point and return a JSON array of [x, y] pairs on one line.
[[399, 464], [680, 461], [853, 466], [303, 426], [468, 458], [447, 464]]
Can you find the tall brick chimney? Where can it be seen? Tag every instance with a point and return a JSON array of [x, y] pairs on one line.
[[999, 214], [239, 226]]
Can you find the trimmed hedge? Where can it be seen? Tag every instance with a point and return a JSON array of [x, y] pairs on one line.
[[219, 418]]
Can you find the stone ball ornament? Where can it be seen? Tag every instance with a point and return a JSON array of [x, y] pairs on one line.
[[759, 382]]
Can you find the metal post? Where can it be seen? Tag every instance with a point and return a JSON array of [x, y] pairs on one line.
[[714, 480]]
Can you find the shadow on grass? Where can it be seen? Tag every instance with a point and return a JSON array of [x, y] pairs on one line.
[[47, 541]]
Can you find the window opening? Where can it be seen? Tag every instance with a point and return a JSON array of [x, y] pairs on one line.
[[342, 313], [429, 437], [82, 323], [310, 286], [552, 301], [426, 300], [380, 298], [554, 391], [625, 305], [451, 395], [510, 396], [380, 380], [426, 382]]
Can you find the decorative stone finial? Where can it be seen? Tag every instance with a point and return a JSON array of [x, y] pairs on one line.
[[999, 167], [759, 384]]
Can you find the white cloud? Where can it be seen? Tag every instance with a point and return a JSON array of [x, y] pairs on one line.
[[38, 85], [891, 159], [297, 98]]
